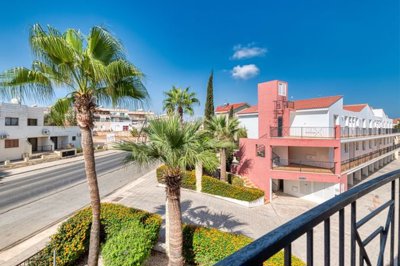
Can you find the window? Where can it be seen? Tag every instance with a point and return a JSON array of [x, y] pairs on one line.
[[357, 146], [32, 122], [363, 145], [11, 143], [346, 147], [11, 121], [370, 144], [260, 150], [282, 89], [73, 138]]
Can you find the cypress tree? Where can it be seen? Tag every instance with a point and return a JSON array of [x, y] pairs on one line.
[[209, 108], [231, 112]]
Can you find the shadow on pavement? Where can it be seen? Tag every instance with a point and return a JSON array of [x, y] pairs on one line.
[[201, 215]]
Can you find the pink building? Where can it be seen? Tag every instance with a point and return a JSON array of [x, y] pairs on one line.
[[313, 148]]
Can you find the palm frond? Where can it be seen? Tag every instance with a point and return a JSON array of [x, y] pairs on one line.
[[60, 110]]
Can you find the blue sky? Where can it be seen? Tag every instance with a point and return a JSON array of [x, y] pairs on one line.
[[321, 48]]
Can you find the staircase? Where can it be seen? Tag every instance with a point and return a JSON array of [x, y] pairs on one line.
[[248, 183]]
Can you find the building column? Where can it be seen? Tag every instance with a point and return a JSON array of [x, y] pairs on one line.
[[371, 168], [396, 155], [357, 175], [365, 171], [381, 163], [376, 166], [350, 179]]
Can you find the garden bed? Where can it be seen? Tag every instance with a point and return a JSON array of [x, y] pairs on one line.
[[235, 192]]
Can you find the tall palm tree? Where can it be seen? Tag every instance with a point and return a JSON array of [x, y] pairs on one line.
[[180, 101], [95, 71], [224, 130], [177, 146]]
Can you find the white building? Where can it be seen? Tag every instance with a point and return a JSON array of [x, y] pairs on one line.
[[23, 133], [117, 120]]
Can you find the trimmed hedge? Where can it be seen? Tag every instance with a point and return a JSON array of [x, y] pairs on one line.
[[71, 241], [206, 246], [235, 180], [131, 246], [216, 187]]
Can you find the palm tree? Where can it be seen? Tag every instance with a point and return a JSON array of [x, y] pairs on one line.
[[180, 101], [177, 146], [224, 130], [95, 71]]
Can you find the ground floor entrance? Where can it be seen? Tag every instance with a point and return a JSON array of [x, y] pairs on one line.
[[34, 144]]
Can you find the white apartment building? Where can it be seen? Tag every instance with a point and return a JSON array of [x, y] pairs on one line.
[[23, 133], [117, 120], [312, 148]]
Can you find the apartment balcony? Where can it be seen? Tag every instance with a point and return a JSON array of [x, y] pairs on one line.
[[303, 132], [305, 166], [341, 231], [356, 132], [359, 160]]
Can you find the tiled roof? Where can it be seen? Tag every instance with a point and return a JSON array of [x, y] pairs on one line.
[[227, 107], [354, 107], [316, 103], [250, 110]]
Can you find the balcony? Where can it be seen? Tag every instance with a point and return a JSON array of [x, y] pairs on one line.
[[303, 132], [347, 132], [305, 166], [356, 161], [359, 236]]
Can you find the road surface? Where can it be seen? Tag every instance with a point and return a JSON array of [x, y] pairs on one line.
[[32, 201]]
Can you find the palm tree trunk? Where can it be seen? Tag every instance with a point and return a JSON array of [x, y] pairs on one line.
[[84, 107], [223, 164], [199, 176], [90, 168], [180, 112], [173, 191]]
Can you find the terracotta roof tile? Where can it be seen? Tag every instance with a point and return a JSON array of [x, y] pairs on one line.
[[250, 110], [316, 103], [227, 107], [354, 107]]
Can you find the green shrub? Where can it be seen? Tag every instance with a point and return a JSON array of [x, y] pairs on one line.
[[216, 187], [131, 246], [206, 246], [235, 180], [71, 241]]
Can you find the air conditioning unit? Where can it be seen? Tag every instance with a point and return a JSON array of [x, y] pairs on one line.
[[3, 135], [46, 132]]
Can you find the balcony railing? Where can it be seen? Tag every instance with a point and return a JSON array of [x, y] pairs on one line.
[[356, 161], [304, 225], [353, 132], [303, 132], [303, 165]]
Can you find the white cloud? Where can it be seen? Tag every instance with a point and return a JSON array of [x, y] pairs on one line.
[[245, 71], [248, 51]]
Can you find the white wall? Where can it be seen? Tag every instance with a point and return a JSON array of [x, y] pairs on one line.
[[312, 156], [250, 122], [313, 191]]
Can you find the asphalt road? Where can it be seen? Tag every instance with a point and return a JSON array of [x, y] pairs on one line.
[[30, 202]]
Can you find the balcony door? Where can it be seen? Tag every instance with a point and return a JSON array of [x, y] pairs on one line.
[[280, 124], [55, 141]]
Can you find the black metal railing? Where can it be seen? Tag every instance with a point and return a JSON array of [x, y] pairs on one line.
[[303, 132], [302, 165], [356, 161], [282, 237], [352, 132]]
